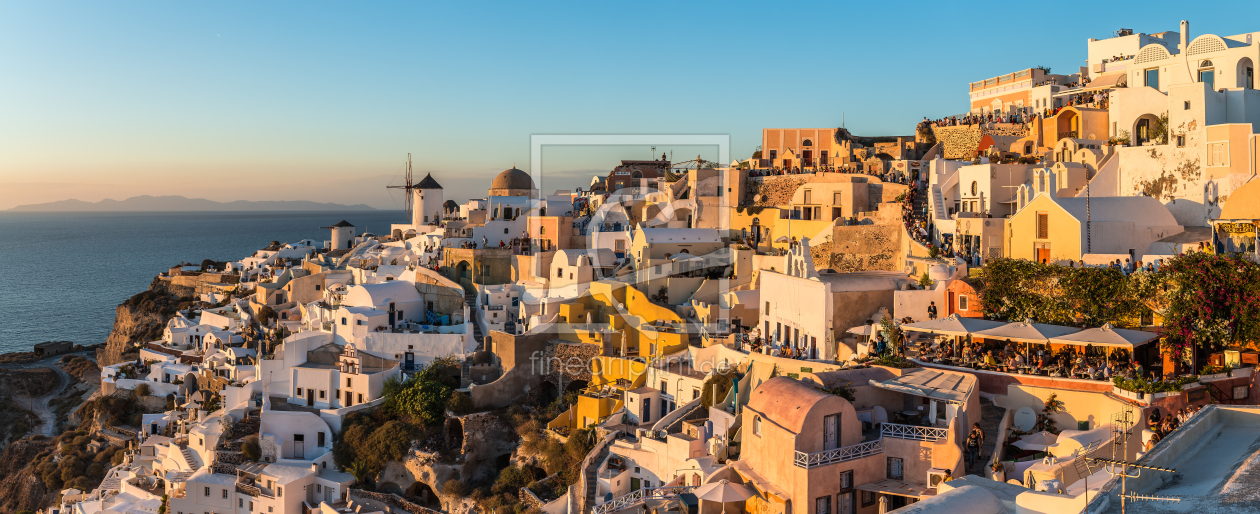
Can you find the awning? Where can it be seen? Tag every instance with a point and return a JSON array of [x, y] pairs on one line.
[[1107, 336], [930, 383], [1026, 332], [953, 325], [1104, 81], [898, 488]]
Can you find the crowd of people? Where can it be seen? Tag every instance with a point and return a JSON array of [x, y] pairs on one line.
[[1162, 425], [1016, 116], [1022, 358]]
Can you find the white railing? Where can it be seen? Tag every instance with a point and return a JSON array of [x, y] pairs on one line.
[[912, 432], [846, 453], [627, 501]]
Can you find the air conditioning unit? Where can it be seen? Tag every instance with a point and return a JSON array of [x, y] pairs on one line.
[[934, 477]]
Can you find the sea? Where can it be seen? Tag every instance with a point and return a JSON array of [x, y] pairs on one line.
[[63, 274]]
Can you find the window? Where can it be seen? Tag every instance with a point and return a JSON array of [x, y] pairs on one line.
[[321, 394], [962, 302], [809, 196], [835, 198], [756, 426], [896, 468], [358, 322], [343, 321], [225, 494], [695, 393], [360, 397], [280, 490], [207, 492], [846, 480], [1187, 106], [1181, 141], [1207, 75], [1218, 154], [1152, 77], [347, 382], [868, 498], [1043, 225], [767, 308], [975, 188], [822, 505], [505, 230], [319, 488]]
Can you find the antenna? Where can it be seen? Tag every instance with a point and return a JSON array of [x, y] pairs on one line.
[[1110, 465]]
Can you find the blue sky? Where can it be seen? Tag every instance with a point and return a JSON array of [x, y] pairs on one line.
[[322, 100]]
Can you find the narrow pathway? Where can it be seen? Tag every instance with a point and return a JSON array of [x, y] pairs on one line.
[[40, 405], [990, 417]]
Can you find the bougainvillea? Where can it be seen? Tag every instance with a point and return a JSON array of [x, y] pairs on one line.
[[1213, 301], [1207, 301]]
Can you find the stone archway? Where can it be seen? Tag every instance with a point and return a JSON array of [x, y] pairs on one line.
[[424, 495]]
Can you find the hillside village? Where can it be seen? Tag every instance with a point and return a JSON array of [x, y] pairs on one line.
[[1009, 302]]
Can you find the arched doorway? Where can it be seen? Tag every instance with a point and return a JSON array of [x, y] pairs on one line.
[[1144, 129], [1069, 124], [1207, 74], [1246, 73]]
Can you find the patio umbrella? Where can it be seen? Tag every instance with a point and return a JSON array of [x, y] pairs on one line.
[[723, 492], [1036, 442]]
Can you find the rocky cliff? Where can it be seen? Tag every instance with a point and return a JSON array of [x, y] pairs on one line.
[[141, 318], [20, 487]]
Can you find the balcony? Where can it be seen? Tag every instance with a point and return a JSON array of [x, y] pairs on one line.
[[843, 454], [635, 498], [913, 433]]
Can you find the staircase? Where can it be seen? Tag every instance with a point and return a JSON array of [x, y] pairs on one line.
[[193, 463], [938, 203], [590, 477], [470, 298]]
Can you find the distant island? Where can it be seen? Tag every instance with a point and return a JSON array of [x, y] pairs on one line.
[[180, 203]]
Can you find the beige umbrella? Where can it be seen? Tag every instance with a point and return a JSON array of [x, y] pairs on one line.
[[723, 492]]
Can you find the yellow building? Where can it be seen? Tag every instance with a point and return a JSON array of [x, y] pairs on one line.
[[1051, 229], [623, 321]]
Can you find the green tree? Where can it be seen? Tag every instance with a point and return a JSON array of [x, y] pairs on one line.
[[424, 399]]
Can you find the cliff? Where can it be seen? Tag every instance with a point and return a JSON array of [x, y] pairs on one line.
[[20, 486], [141, 318]]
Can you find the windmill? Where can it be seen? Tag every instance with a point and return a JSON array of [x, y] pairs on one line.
[[406, 187]]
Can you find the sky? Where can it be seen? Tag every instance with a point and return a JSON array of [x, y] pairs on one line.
[[323, 100]]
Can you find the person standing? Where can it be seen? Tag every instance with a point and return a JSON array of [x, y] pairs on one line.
[[973, 450]]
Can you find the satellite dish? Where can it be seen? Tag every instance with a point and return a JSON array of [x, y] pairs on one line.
[[1025, 419]]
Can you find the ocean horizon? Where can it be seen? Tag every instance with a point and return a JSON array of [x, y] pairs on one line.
[[62, 274]]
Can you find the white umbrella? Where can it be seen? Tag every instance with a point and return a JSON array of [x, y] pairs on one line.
[[723, 491], [1038, 441]]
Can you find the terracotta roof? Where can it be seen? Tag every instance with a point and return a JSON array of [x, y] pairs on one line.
[[786, 401]]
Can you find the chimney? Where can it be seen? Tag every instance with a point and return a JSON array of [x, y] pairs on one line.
[[1185, 35]]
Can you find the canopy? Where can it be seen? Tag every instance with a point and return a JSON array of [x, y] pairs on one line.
[[897, 487], [723, 492], [1036, 442], [953, 325], [1107, 336], [930, 383], [864, 330], [1026, 332], [1107, 81]]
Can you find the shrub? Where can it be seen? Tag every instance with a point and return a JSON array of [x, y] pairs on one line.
[[460, 404], [251, 449], [143, 390], [455, 488]]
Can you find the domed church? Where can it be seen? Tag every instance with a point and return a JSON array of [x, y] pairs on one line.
[[512, 182]]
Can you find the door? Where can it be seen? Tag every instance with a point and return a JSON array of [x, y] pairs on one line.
[[1043, 255], [831, 432], [647, 411], [409, 361], [310, 397], [844, 503], [634, 484], [299, 446]]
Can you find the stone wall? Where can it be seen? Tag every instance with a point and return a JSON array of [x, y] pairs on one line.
[[859, 248], [572, 360], [773, 191], [961, 142]]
